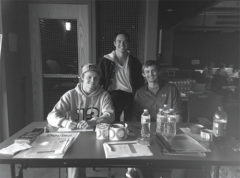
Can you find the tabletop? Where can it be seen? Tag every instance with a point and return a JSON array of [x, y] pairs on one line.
[[86, 151]]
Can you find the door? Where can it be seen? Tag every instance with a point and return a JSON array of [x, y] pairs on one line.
[[59, 38]]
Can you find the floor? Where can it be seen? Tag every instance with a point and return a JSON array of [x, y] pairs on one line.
[[61, 173], [97, 173]]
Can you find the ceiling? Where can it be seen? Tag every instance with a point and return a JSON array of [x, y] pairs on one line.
[[200, 15]]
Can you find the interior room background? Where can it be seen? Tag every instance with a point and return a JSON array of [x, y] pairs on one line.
[[173, 37]]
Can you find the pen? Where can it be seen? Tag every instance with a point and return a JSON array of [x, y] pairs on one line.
[[47, 151]]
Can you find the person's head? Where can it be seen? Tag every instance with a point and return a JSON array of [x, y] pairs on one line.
[[121, 41], [150, 71], [90, 77]]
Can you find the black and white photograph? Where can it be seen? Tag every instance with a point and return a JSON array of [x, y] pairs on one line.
[[119, 88]]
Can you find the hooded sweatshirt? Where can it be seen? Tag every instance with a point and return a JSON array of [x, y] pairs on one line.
[[76, 105]]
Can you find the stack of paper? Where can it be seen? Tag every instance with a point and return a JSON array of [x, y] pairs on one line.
[[49, 145], [15, 148], [125, 149], [183, 144], [29, 137]]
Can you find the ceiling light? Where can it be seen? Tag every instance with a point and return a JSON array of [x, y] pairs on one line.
[[68, 26]]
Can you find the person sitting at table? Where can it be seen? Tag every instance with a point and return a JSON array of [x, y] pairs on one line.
[[153, 96], [83, 107]]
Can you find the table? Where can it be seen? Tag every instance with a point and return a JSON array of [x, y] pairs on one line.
[[91, 154]]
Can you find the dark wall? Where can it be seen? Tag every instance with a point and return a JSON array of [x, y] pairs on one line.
[[114, 16], [219, 47], [12, 50]]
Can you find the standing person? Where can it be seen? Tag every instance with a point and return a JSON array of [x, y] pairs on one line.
[[83, 107], [121, 75], [153, 96]]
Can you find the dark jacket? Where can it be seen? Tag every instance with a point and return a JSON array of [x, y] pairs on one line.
[[107, 68]]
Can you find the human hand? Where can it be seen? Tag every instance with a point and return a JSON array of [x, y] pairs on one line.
[[92, 122], [82, 125], [70, 124]]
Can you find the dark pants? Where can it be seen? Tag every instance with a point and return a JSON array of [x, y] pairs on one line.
[[122, 101]]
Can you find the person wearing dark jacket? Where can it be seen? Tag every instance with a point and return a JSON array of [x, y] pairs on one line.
[[121, 75]]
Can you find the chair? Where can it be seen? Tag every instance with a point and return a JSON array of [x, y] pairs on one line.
[[203, 105]]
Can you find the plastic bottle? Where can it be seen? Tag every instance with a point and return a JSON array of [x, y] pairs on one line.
[[220, 122], [160, 122], [171, 124], [145, 124], [165, 119]]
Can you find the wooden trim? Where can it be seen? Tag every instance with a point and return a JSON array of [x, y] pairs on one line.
[[54, 11], [151, 32]]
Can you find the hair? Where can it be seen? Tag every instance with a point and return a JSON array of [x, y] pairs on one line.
[[149, 63], [122, 33]]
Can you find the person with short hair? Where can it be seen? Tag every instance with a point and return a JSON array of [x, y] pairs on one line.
[[121, 75], [155, 93], [83, 107], [152, 96]]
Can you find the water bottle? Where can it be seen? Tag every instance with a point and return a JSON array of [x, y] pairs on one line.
[[160, 122], [170, 124], [220, 122], [165, 119], [145, 124]]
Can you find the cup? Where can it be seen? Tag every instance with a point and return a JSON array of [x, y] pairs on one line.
[[102, 131], [118, 132]]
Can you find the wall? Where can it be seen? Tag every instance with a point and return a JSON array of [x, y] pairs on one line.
[[3, 93], [219, 47], [114, 16], [13, 67]]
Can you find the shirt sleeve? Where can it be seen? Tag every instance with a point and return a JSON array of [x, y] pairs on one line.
[[60, 110], [137, 109], [107, 108]]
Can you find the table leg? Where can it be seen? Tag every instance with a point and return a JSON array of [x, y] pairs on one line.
[[215, 171], [13, 173]]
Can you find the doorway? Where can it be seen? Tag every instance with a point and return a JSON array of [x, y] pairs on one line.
[[59, 38]]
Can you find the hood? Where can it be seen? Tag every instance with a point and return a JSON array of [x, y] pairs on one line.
[[79, 90], [112, 56]]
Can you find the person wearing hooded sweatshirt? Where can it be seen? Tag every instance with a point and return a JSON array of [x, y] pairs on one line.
[[83, 107], [121, 75]]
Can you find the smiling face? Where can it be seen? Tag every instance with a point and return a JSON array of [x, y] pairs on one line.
[[150, 73], [90, 81], [121, 43]]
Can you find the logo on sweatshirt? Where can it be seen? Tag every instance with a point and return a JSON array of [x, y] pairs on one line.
[[87, 113]]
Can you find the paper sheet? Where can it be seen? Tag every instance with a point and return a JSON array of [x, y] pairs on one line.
[[49, 145], [125, 149], [185, 143], [15, 148]]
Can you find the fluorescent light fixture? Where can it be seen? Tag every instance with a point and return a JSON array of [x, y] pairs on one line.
[[68, 26]]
